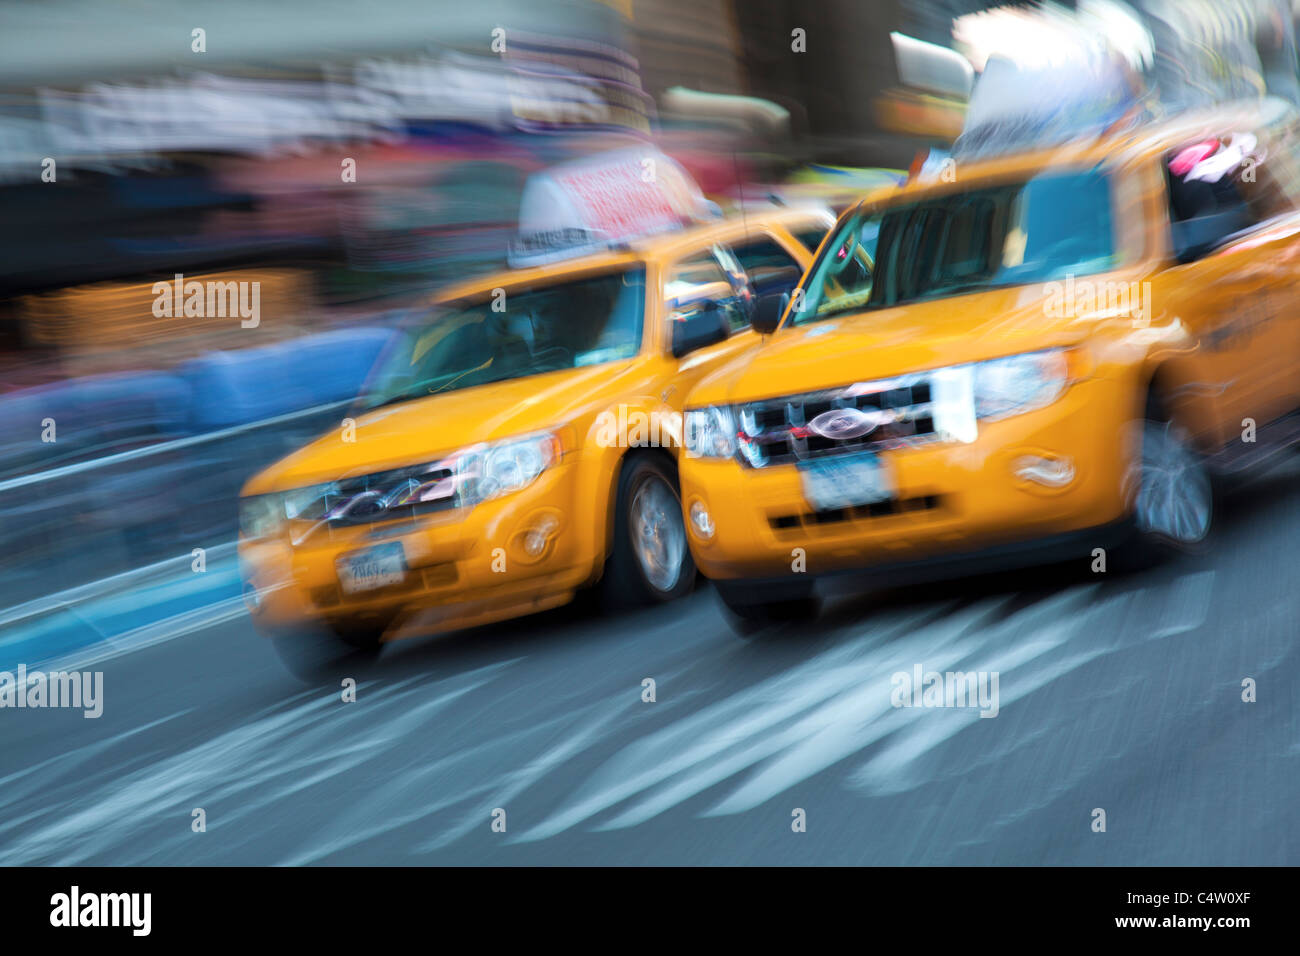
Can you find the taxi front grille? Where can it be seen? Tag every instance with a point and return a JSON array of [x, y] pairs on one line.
[[868, 416], [385, 497], [402, 493], [892, 507]]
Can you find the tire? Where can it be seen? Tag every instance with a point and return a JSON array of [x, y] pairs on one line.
[[359, 635], [651, 561], [317, 654], [750, 614], [1171, 493]]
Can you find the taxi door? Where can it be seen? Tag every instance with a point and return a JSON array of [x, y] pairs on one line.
[[1237, 294]]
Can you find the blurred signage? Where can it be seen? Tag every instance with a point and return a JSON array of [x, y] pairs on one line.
[[537, 87], [1051, 75], [593, 203], [1020, 107], [611, 78], [204, 112]]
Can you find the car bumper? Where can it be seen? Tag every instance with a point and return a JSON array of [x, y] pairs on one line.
[[951, 498], [463, 567]]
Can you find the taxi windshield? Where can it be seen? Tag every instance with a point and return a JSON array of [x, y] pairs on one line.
[[513, 333], [1038, 230]]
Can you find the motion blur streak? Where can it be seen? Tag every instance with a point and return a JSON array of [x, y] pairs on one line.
[[259, 369]]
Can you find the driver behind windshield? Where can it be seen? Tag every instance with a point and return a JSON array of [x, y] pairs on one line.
[[528, 332]]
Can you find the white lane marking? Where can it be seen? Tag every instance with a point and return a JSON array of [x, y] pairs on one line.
[[808, 718], [245, 769], [844, 727], [1022, 658], [516, 782], [112, 585], [176, 444], [44, 775], [149, 635], [1187, 605], [112, 815], [705, 738], [895, 769]]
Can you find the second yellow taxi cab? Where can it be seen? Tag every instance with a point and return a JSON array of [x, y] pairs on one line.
[[1038, 355], [514, 444]]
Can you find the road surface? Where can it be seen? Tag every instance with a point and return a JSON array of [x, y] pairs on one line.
[[1118, 693]]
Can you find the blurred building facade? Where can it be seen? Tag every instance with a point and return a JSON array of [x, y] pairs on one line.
[[210, 139]]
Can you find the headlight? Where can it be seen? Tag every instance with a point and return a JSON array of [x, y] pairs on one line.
[[465, 478], [710, 432], [261, 516], [1019, 383], [308, 503], [490, 471]]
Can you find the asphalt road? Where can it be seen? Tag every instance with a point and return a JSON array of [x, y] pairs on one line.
[[1116, 692]]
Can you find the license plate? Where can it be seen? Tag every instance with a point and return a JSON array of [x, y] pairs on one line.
[[845, 481], [378, 567]]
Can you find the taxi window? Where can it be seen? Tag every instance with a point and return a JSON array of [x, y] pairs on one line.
[[696, 282], [769, 267], [1214, 194], [986, 237], [812, 238], [1262, 194], [844, 272], [512, 334]]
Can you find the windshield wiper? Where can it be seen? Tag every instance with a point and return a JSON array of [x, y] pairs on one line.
[[424, 390]]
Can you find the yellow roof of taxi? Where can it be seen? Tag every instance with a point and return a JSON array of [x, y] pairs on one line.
[[665, 245]]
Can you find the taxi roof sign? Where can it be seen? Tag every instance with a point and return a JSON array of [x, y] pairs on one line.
[[1015, 106], [604, 200]]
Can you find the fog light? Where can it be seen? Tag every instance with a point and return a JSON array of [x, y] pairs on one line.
[[1049, 472], [701, 520], [536, 539]]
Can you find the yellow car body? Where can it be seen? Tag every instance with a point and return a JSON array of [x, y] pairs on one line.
[[464, 564], [1212, 338]]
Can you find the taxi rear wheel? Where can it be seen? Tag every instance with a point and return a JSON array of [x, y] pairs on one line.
[[651, 562], [1171, 490]]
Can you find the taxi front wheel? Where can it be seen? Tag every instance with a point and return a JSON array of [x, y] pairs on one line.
[[751, 612], [319, 653], [650, 563]]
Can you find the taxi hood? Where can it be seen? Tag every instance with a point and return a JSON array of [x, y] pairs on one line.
[[425, 429], [883, 343]]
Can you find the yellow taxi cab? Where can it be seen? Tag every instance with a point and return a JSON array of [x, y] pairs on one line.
[[1033, 356], [514, 445]]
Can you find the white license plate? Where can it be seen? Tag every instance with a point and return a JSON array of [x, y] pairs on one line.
[[378, 567], [845, 481]]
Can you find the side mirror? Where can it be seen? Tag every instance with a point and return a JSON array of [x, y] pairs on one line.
[[699, 328], [768, 311]]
